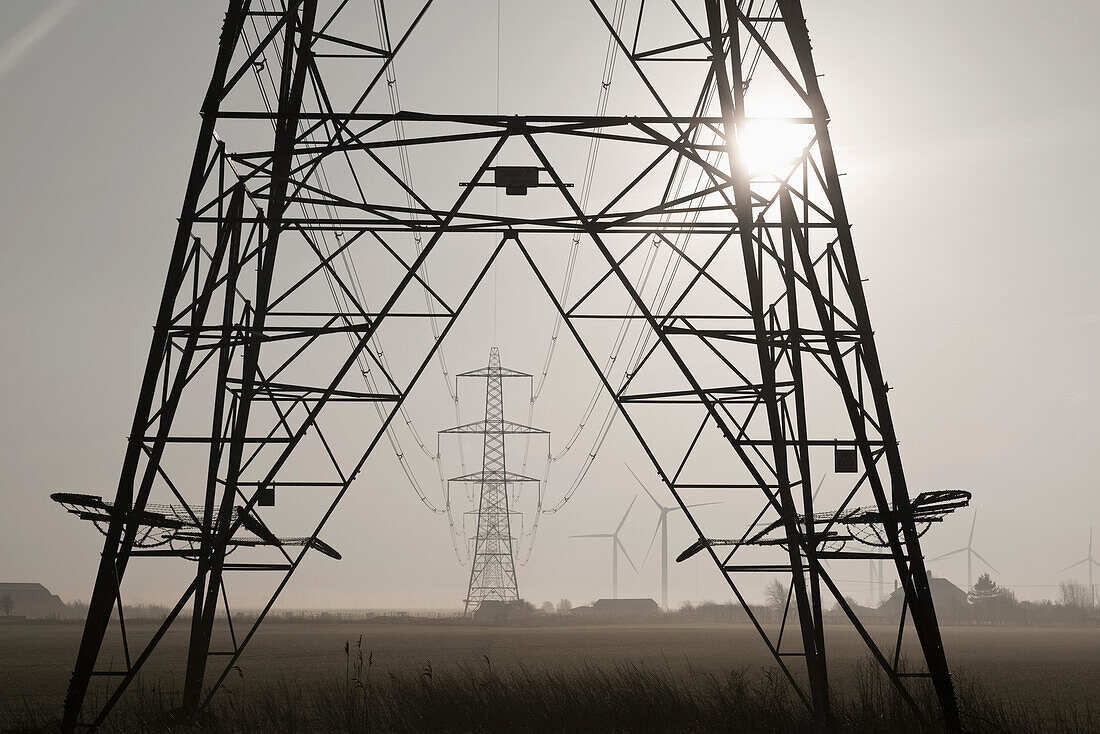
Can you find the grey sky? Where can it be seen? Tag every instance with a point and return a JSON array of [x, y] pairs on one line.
[[967, 133]]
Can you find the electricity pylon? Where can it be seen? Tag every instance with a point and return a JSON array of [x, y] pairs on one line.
[[493, 571], [716, 245]]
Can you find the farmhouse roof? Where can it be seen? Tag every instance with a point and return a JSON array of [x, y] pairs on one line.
[[626, 606], [32, 600], [10, 586], [948, 598]]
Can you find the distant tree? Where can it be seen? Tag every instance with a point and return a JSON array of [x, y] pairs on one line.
[[7, 604], [564, 606], [521, 608], [991, 602], [1075, 595], [548, 607], [985, 588], [776, 595]]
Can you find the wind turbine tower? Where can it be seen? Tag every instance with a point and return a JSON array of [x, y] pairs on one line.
[[493, 571], [1089, 562], [876, 582], [662, 528], [616, 546]]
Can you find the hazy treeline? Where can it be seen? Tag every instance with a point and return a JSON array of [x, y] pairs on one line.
[[986, 603]]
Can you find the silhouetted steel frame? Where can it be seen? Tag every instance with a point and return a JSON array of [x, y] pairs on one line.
[[115, 554], [731, 98], [918, 593], [293, 81], [725, 22]]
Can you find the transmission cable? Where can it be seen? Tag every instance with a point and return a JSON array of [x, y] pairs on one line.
[[660, 299], [342, 300]]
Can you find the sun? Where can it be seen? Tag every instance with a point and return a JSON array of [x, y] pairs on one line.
[[770, 147]]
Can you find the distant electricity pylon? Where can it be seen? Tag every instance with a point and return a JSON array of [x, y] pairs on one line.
[[971, 554], [493, 571], [706, 271]]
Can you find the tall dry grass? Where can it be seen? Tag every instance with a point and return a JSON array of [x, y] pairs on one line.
[[617, 698]]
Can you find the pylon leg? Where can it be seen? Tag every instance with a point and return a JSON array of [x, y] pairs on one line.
[[116, 547]]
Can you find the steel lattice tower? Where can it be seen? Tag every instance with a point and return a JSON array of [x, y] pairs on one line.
[[493, 571], [751, 361]]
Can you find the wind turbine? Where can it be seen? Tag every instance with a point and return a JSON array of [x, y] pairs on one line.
[[970, 553], [875, 579], [616, 546], [1089, 562], [662, 528]]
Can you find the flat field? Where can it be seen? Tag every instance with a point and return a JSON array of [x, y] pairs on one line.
[[1042, 668]]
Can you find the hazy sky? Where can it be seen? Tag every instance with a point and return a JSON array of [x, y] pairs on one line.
[[967, 133]]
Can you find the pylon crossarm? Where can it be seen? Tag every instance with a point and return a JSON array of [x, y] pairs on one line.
[[502, 426], [493, 475]]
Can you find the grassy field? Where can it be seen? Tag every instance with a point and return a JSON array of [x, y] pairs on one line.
[[1035, 670]]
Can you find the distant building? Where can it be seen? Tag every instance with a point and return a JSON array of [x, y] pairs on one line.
[[491, 610], [495, 610], [950, 601], [32, 600], [632, 609]]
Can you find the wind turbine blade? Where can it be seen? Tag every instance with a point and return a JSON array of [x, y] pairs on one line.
[[697, 504], [593, 535], [1083, 560], [652, 541], [644, 489], [623, 549], [945, 555], [819, 486], [970, 542], [628, 509], [979, 555]]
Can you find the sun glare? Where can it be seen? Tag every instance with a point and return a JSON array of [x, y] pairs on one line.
[[769, 147]]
